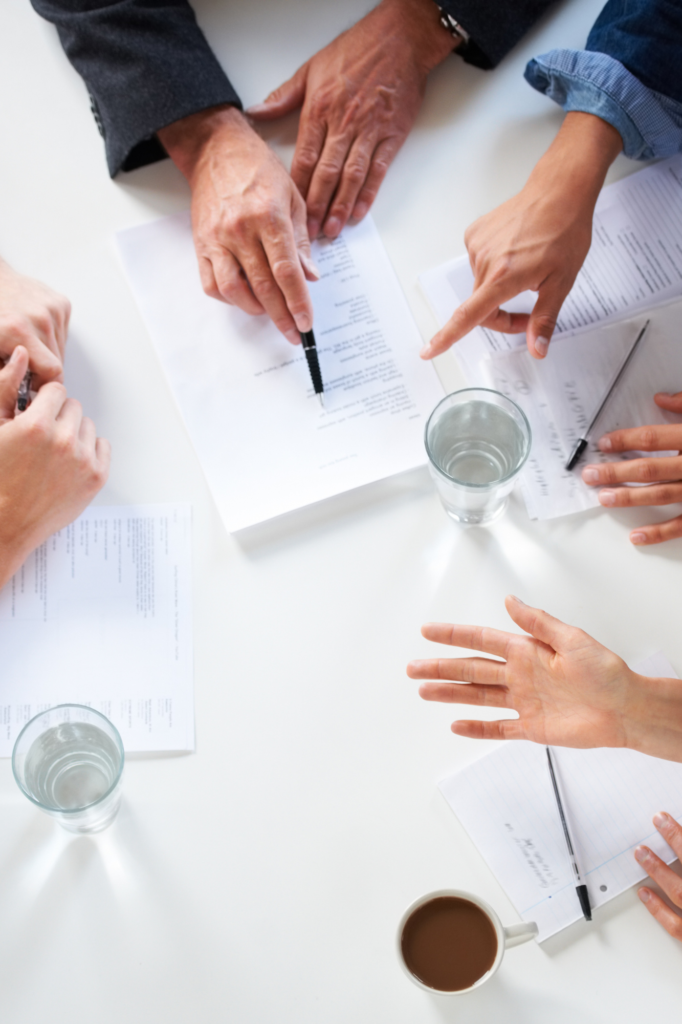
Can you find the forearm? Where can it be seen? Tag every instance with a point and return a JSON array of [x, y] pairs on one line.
[[653, 720]]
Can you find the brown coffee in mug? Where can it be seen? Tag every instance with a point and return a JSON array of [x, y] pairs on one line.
[[448, 943]]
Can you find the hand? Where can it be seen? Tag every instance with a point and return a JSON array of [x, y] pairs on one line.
[[536, 241], [248, 218], [670, 883], [34, 316], [663, 474], [568, 690], [360, 96], [51, 465]]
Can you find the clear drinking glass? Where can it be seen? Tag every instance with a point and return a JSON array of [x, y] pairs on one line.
[[477, 441], [69, 762]]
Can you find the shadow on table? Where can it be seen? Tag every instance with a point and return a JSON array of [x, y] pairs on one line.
[[373, 498], [499, 1001], [115, 890]]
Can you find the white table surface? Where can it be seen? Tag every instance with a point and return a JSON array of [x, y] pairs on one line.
[[261, 878]]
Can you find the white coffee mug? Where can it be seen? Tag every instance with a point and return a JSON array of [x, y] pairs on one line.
[[506, 938]]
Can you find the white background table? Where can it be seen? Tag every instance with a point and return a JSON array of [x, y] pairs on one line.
[[261, 879]]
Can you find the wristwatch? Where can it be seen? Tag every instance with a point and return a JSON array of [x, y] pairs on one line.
[[453, 27]]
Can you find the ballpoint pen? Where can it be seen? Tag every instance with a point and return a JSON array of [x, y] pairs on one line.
[[580, 886], [23, 393], [581, 443], [310, 349]]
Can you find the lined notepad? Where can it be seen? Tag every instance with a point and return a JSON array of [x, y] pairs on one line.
[[506, 803]]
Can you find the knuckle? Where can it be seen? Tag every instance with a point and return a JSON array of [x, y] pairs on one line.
[[648, 438], [646, 471], [306, 158]]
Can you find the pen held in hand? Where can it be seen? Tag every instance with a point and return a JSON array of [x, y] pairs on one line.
[[24, 393], [310, 349], [581, 443], [580, 888]]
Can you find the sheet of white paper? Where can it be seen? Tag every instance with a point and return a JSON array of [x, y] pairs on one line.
[[506, 803], [561, 394], [265, 444], [635, 262], [101, 614]]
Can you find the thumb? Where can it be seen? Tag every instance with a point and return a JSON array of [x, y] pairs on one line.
[[539, 624], [11, 377], [673, 403], [283, 100], [544, 317]]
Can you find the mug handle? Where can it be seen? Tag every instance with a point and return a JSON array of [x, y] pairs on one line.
[[519, 933]]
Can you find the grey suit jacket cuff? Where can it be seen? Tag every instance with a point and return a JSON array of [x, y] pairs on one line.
[[495, 26], [145, 65]]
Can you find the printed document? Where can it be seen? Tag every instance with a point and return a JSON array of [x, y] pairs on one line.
[[561, 393], [101, 615], [264, 442], [634, 263], [506, 803]]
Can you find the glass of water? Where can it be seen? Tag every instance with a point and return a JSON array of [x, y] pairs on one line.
[[69, 762], [477, 441]]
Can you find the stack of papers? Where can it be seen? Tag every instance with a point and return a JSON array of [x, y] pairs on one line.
[[101, 614], [265, 444], [506, 803]]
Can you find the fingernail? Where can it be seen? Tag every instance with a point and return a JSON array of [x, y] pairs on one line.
[[426, 351], [541, 346], [605, 444], [662, 820], [303, 321], [517, 599], [256, 108], [590, 475], [293, 337], [644, 895], [360, 211], [313, 228], [637, 538], [332, 227], [642, 855], [310, 266], [607, 497]]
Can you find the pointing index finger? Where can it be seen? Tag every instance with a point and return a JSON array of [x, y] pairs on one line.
[[484, 302], [653, 438]]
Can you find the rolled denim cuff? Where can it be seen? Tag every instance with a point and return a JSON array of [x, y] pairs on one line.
[[649, 123]]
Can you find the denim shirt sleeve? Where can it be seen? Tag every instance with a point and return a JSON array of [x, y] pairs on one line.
[[649, 123]]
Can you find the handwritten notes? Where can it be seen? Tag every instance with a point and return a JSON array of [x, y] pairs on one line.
[[265, 444], [506, 803]]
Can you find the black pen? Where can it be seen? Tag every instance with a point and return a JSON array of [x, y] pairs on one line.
[[581, 443], [580, 888], [310, 349], [24, 392]]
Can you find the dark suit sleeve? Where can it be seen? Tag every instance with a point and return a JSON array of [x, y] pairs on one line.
[[146, 63], [495, 26]]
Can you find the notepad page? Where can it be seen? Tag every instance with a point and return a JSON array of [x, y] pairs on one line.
[[506, 803], [635, 262]]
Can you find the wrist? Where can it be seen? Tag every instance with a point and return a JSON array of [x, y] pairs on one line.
[[653, 721], [420, 22], [578, 159], [186, 140]]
